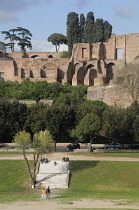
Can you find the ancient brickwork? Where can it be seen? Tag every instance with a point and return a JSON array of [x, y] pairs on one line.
[[94, 64], [111, 95]]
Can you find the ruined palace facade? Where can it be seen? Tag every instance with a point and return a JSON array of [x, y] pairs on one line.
[[91, 64]]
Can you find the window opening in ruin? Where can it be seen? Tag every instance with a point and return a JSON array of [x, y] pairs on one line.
[[92, 76], [31, 74], [1, 74], [50, 56], [109, 73], [43, 73], [83, 52], [22, 73], [35, 57], [119, 53]]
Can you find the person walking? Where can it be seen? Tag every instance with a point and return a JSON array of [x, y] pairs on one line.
[[48, 193], [43, 193]]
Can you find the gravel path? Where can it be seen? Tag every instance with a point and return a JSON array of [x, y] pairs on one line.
[[72, 156]]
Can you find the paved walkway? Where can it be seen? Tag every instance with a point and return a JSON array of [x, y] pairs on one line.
[[53, 175]]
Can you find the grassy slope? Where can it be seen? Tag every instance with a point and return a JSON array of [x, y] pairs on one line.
[[14, 181], [104, 179], [89, 179]]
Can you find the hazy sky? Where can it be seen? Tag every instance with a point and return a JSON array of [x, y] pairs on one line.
[[44, 17]]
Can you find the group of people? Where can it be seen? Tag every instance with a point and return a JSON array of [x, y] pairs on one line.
[[44, 160], [65, 159], [46, 193]]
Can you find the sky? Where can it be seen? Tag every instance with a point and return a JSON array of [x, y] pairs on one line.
[[45, 17]]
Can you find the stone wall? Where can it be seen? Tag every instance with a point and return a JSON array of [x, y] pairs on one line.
[[5, 66], [111, 95]]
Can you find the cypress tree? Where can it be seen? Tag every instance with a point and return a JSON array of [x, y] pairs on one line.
[[107, 30], [73, 30], [82, 27], [99, 30], [89, 28]]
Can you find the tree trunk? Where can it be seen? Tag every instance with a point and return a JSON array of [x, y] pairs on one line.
[[56, 48], [34, 168], [28, 167], [90, 143]]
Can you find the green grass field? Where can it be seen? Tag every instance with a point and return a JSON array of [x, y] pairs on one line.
[[15, 182], [112, 154], [89, 179], [104, 180]]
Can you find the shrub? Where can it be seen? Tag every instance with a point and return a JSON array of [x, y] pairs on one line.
[[64, 54]]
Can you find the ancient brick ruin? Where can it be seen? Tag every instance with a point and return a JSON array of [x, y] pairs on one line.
[[95, 65]]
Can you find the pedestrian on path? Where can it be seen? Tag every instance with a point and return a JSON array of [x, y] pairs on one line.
[[43, 193], [48, 193]]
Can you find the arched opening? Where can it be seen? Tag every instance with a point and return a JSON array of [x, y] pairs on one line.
[[15, 69], [50, 56], [22, 73], [92, 76], [76, 67], [1, 76], [90, 66], [31, 74], [109, 72], [43, 73], [35, 57], [70, 72], [80, 76]]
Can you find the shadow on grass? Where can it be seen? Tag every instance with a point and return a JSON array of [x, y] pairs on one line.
[[78, 165], [75, 166]]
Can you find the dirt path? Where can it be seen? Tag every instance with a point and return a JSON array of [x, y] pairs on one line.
[[72, 156], [54, 203]]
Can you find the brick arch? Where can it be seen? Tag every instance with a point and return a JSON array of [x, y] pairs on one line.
[[80, 76], [50, 56], [76, 67], [90, 66], [35, 57], [92, 74], [109, 72]]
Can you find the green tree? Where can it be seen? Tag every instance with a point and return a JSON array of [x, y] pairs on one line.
[[12, 119], [42, 143], [136, 128], [35, 120], [21, 35], [82, 27], [89, 28], [132, 121], [115, 124], [64, 54], [57, 39], [59, 121], [73, 30], [99, 30], [107, 31], [88, 128], [11, 37], [24, 38], [92, 107]]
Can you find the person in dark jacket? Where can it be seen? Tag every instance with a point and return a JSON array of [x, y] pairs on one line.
[[48, 193]]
